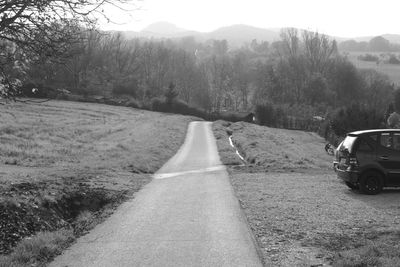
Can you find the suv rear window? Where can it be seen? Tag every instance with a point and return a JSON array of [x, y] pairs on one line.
[[348, 143]]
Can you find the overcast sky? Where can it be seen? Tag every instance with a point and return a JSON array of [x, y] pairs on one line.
[[344, 18]]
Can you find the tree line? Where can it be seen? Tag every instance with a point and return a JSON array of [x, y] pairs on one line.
[[297, 78]]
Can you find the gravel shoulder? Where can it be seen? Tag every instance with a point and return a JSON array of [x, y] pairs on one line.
[[301, 214]]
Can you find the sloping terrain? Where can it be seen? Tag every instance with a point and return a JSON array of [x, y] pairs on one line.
[[299, 212], [68, 164], [271, 149]]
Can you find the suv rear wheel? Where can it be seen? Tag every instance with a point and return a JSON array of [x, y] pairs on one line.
[[371, 182]]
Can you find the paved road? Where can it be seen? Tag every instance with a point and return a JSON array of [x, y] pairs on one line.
[[187, 216]]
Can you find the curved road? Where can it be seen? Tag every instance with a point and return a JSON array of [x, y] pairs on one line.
[[187, 216]]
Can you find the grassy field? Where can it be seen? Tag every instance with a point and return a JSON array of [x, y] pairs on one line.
[[300, 213], [66, 165], [391, 70]]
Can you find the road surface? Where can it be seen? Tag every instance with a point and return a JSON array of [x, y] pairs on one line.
[[187, 216]]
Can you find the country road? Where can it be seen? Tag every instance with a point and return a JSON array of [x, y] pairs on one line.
[[187, 216]]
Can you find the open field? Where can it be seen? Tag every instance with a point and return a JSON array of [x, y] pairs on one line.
[[391, 70], [64, 165], [303, 215]]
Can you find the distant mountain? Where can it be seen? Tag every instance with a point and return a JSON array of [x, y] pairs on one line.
[[236, 35], [393, 38], [163, 28]]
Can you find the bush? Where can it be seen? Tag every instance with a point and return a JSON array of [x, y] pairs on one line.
[[133, 103], [368, 57], [393, 60], [35, 90], [126, 89], [180, 107], [270, 115], [354, 118]]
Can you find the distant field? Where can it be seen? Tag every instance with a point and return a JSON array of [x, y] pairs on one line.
[[391, 70], [62, 163], [299, 212]]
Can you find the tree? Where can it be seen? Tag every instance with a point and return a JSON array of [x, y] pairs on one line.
[[397, 100], [318, 50], [316, 89], [379, 44], [377, 89], [44, 27], [170, 93]]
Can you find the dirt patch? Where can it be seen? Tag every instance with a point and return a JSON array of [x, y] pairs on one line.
[[303, 215]]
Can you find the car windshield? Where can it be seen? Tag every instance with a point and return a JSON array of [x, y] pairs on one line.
[[348, 143]]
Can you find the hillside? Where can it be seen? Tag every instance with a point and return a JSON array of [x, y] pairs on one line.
[[66, 165], [298, 210], [236, 35]]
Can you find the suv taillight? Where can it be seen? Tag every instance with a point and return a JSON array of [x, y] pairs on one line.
[[353, 162]]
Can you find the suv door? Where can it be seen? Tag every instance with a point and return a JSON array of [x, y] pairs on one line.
[[388, 155]]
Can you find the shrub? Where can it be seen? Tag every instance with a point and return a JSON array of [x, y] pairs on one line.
[[180, 107], [133, 103], [157, 104], [368, 57], [126, 89], [171, 94], [270, 115], [354, 118], [393, 60], [35, 90]]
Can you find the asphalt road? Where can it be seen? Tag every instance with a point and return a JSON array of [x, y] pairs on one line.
[[187, 216]]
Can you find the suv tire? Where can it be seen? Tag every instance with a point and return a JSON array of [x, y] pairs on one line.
[[371, 182]]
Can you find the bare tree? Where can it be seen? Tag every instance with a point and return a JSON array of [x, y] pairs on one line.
[[318, 49], [44, 27], [291, 41]]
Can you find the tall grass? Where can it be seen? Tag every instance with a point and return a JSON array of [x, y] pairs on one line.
[[39, 249]]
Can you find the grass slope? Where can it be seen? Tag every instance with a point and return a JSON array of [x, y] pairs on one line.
[[301, 214], [273, 149], [67, 164]]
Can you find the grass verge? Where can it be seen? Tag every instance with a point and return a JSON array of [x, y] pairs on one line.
[[65, 166]]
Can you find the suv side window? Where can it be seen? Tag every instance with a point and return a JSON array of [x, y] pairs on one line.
[[396, 141], [374, 137], [386, 140]]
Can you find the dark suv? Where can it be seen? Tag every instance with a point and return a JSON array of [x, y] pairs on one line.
[[369, 160]]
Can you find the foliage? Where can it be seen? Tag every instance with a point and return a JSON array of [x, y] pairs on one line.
[[176, 106], [397, 101], [302, 75], [393, 60], [171, 94], [354, 118], [34, 29], [268, 115], [368, 57], [38, 249], [379, 43]]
